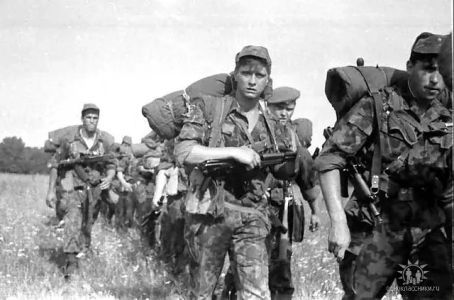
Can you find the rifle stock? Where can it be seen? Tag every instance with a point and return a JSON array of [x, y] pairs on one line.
[[84, 160], [222, 167], [361, 186], [284, 242]]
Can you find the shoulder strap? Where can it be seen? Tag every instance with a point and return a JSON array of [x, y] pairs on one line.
[[218, 110], [374, 87], [270, 129]]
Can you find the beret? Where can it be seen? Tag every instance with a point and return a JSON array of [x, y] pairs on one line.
[[284, 94]]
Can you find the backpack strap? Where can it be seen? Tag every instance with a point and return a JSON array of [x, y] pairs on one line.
[[218, 109], [270, 129], [374, 87]]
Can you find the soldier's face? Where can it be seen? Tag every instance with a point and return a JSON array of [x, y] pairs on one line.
[[251, 78], [424, 79], [90, 122], [282, 111]]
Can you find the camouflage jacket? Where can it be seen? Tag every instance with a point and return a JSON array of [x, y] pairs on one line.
[[416, 150], [248, 188], [126, 162], [305, 178], [70, 145]]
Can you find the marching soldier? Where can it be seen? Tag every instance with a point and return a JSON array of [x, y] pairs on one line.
[[405, 144], [79, 171], [229, 214], [286, 199]]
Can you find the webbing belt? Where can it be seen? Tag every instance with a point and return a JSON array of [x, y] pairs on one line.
[[244, 209]]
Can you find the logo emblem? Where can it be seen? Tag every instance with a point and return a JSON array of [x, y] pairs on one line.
[[412, 273]]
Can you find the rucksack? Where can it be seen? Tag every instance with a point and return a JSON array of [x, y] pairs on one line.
[[62, 135], [347, 85], [165, 114]]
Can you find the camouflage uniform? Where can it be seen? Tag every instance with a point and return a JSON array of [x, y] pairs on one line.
[[416, 164], [280, 277], [172, 217], [79, 200], [127, 201], [240, 223]]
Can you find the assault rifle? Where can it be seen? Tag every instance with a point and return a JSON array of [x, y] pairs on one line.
[[79, 164], [84, 160], [369, 195], [223, 167]]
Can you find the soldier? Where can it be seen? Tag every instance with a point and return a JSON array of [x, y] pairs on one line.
[[125, 207], [147, 215], [445, 65], [281, 106], [303, 129], [79, 186], [445, 61], [172, 180], [405, 144], [229, 214]]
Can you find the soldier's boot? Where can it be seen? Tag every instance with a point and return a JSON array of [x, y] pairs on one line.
[[71, 265]]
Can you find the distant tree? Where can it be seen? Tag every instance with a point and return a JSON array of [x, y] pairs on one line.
[[11, 154], [16, 158]]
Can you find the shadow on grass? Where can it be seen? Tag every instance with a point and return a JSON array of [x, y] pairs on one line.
[[139, 292], [53, 255], [51, 221]]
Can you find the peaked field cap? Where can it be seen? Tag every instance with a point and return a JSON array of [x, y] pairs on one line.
[[127, 140], [284, 94], [257, 51], [90, 106], [428, 43]]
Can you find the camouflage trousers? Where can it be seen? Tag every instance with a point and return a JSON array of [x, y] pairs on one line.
[[387, 253], [79, 211], [172, 232], [280, 274], [238, 233]]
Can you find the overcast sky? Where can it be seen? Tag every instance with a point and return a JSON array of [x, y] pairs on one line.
[[56, 55]]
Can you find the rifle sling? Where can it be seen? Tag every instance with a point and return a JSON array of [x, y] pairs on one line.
[[373, 88], [376, 158]]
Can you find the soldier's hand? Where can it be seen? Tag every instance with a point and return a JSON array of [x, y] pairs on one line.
[[338, 239], [51, 199], [247, 156], [127, 186], [315, 223], [105, 183]]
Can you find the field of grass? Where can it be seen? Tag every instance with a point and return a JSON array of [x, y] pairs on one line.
[[121, 267]]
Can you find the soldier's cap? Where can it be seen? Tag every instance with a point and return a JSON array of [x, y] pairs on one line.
[[256, 51], [90, 106], [126, 140], [428, 43], [283, 94]]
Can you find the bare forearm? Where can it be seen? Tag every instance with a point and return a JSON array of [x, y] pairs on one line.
[[121, 177], [330, 184], [201, 153], [110, 173], [314, 206], [312, 197], [52, 179]]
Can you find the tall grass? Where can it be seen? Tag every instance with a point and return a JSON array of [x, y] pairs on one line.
[[121, 267]]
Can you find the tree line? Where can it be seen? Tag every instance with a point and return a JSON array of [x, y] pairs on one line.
[[15, 157]]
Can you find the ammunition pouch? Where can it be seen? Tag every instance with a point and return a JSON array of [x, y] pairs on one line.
[[296, 218], [205, 195]]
